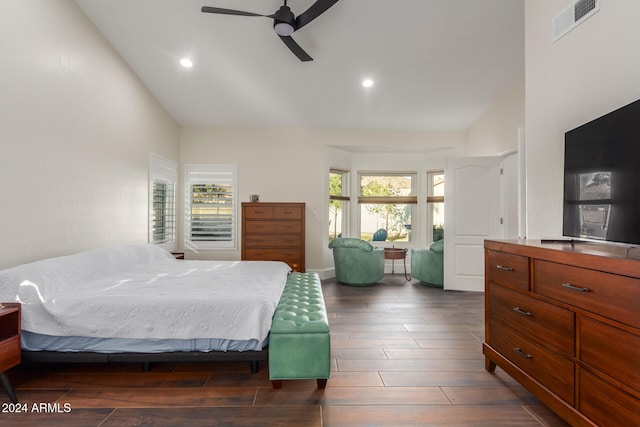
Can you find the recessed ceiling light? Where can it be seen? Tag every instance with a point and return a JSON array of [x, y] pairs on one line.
[[367, 83], [186, 63]]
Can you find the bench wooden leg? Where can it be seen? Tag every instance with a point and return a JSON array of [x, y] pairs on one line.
[[277, 384], [322, 383]]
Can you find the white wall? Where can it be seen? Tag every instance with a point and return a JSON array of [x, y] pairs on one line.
[[76, 129], [496, 130], [283, 165], [589, 72], [292, 165]]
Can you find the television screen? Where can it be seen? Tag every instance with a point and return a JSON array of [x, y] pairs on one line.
[[602, 178]]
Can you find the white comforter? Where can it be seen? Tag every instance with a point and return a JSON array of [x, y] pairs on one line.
[[148, 296]]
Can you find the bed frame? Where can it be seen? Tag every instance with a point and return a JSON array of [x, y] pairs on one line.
[[254, 357], [300, 342]]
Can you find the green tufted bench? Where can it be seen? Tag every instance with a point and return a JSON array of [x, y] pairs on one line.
[[299, 344]]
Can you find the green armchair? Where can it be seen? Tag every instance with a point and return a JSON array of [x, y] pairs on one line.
[[357, 262], [427, 265]]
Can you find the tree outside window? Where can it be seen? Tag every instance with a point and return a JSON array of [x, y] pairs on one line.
[[338, 202], [387, 203], [435, 205]]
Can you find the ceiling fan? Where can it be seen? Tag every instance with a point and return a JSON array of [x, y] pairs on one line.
[[284, 22]]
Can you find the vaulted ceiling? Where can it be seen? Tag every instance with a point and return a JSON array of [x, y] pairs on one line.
[[435, 64]]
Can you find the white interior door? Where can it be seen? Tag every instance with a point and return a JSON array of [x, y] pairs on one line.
[[472, 214]]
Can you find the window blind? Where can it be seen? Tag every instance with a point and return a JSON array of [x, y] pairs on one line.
[[211, 206], [163, 176]]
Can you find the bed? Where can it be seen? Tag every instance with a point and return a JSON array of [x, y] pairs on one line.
[[138, 303]]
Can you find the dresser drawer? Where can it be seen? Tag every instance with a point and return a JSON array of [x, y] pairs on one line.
[[272, 240], [605, 404], [546, 366], [293, 257], [258, 211], [540, 320], [287, 212], [273, 227], [268, 254], [609, 295], [610, 350], [508, 269]]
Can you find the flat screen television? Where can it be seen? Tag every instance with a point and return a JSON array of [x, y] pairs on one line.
[[602, 178]]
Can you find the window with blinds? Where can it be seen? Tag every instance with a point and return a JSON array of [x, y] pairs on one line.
[[211, 206], [163, 212], [387, 203], [162, 201]]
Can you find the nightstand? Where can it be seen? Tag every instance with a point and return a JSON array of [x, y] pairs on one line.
[[9, 343]]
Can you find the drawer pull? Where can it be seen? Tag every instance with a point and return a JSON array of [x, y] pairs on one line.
[[522, 353], [521, 311], [575, 288], [502, 267]]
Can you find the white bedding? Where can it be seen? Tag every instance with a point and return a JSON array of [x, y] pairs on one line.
[[143, 292]]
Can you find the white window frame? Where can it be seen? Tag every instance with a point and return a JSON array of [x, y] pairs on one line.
[[432, 198], [210, 174], [163, 172], [343, 198]]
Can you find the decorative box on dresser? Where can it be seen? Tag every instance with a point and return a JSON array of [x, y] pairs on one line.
[[274, 232], [563, 319], [10, 353]]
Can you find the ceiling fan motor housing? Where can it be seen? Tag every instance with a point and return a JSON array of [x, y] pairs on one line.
[[284, 21]]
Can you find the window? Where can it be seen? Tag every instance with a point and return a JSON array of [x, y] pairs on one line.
[[338, 203], [387, 204], [210, 206], [162, 201], [435, 205]]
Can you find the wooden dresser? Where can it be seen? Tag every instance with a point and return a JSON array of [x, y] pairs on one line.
[[564, 321], [274, 232]]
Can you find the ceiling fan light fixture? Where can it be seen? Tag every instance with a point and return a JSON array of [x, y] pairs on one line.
[[283, 21], [283, 29]]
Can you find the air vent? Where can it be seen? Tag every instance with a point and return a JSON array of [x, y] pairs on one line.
[[573, 15]]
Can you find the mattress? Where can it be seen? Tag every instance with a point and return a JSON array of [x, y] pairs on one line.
[[131, 294], [38, 342]]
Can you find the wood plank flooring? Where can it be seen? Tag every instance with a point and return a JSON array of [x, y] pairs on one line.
[[402, 353]]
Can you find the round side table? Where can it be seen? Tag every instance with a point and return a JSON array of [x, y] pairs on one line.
[[394, 254]]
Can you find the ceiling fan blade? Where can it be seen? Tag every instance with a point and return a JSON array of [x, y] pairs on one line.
[[207, 9], [296, 49], [315, 10]]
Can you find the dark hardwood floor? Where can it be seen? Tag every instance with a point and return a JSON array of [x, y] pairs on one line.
[[403, 354]]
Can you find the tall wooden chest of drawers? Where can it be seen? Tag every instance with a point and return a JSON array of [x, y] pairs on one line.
[[564, 320], [274, 232]]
